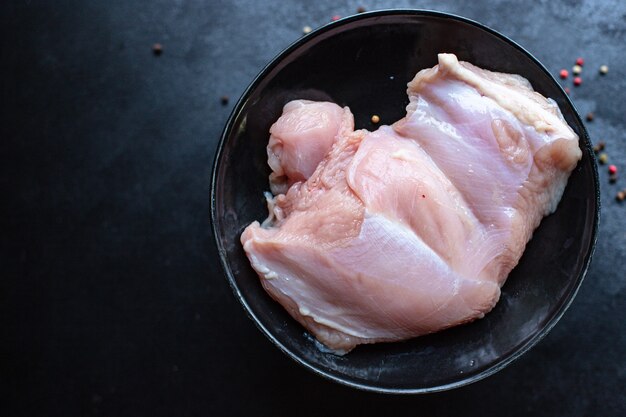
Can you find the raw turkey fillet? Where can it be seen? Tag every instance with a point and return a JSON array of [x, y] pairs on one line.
[[413, 228]]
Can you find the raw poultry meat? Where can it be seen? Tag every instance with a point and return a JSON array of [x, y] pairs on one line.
[[300, 139], [413, 228]]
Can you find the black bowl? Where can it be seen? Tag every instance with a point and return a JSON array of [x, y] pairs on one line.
[[365, 62]]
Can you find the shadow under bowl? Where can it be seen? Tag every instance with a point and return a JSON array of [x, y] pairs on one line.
[[365, 62]]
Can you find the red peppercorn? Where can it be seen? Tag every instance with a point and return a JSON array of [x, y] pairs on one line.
[[578, 81], [580, 62], [566, 90], [335, 18], [563, 74], [612, 169]]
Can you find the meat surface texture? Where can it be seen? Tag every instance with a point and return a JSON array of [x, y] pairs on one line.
[[413, 228], [300, 139]]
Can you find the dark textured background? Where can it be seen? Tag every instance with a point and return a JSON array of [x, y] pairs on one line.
[[112, 302]]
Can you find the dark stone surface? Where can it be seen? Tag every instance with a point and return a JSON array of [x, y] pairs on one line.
[[112, 301]]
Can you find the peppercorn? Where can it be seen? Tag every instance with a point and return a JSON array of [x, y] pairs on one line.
[[578, 81], [577, 69], [613, 178], [612, 169], [375, 118], [566, 90], [563, 74], [603, 158], [580, 62], [157, 49], [335, 18], [603, 69], [601, 145], [306, 30], [360, 9], [224, 100], [620, 196], [590, 116]]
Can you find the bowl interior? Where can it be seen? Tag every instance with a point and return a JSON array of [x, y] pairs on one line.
[[365, 62]]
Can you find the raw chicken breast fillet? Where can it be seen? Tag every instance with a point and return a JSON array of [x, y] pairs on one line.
[[411, 229]]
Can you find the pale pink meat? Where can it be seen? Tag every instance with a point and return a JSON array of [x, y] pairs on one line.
[[413, 228], [300, 139]]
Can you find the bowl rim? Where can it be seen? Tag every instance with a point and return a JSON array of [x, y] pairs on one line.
[[506, 360]]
